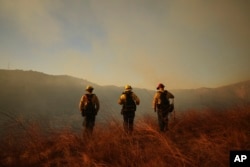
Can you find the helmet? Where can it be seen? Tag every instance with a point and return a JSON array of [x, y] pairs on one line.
[[89, 88], [128, 88], [160, 85]]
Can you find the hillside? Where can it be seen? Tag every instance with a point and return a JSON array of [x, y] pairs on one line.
[[34, 95], [54, 99], [41, 125], [225, 97], [196, 138]]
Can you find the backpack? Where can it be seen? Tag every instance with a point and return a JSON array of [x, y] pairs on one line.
[[129, 104], [89, 107], [164, 102]]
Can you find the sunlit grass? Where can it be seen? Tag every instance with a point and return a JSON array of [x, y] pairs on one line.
[[195, 138]]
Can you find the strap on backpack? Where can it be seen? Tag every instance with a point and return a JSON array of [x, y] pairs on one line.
[[89, 97]]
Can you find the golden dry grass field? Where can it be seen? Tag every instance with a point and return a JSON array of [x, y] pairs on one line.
[[195, 139]]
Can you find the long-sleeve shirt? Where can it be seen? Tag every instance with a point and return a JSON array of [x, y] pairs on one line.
[[156, 99], [84, 100], [122, 99]]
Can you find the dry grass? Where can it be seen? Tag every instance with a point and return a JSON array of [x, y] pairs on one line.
[[195, 138]]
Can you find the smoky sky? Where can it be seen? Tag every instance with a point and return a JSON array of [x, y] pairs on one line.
[[183, 44]]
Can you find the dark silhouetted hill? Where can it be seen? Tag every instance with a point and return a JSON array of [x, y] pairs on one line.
[[35, 95], [55, 98], [225, 97]]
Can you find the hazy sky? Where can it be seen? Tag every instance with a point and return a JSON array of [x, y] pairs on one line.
[[181, 43]]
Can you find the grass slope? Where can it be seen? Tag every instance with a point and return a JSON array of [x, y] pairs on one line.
[[202, 138]]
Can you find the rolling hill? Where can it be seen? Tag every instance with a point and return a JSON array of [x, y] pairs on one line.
[[34, 95]]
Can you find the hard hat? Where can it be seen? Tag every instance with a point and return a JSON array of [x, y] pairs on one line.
[[89, 88], [160, 85], [128, 88]]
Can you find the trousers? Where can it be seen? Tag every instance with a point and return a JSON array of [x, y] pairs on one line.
[[89, 122], [128, 120], [163, 119]]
